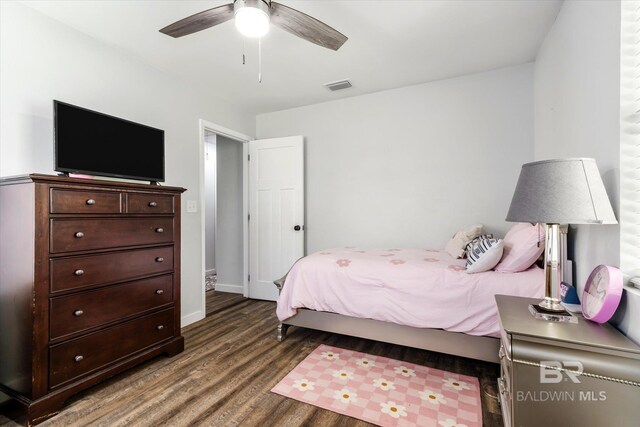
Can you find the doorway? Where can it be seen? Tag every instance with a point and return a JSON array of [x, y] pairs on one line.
[[223, 212]]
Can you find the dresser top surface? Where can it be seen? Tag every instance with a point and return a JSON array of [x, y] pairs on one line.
[[516, 319], [99, 182]]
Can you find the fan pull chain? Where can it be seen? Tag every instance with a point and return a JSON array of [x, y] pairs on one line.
[[243, 60], [260, 60]]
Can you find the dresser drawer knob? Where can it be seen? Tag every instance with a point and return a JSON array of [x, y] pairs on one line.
[[153, 204], [160, 327], [159, 259], [78, 272], [78, 313], [159, 292], [91, 202], [78, 358], [159, 230], [79, 235]]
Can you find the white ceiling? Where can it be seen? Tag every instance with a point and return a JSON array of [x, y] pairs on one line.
[[392, 43]]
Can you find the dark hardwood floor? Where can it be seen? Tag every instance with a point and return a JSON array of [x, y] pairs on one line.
[[231, 361]]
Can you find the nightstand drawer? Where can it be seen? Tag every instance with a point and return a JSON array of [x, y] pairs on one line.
[[85, 202], [90, 270], [149, 203], [84, 310], [81, 356], [68, 235]]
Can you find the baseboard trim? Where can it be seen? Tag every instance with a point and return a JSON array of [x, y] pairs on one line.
[[191, 318], [234, 289]]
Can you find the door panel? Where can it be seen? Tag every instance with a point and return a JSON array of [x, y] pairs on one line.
[[276, 206]]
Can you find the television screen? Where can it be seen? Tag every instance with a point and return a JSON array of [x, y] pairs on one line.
[[93, 143]]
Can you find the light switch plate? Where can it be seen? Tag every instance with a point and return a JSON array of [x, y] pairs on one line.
[[192, 206]]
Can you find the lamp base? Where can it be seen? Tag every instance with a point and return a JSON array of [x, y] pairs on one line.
[[551, 304]]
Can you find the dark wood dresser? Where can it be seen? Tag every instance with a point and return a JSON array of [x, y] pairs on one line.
[[89, 284]]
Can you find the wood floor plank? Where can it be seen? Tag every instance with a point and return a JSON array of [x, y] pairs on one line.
[[224, 377]]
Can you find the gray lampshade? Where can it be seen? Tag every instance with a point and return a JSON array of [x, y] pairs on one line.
[[563, 191]]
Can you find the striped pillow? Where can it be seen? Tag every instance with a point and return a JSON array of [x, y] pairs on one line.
[[484, 253]]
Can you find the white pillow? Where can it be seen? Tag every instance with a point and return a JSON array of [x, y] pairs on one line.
[[456, 245], [484, 254]]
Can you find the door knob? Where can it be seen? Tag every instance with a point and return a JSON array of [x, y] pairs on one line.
[[297, 228]]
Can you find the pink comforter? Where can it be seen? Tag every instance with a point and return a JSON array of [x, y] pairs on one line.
[[416, 287]]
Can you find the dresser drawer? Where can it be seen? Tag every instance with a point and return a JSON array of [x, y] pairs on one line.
[[86, 234], [83, 202], [80, 356], [149, 203], [83, 271], [84, 310]]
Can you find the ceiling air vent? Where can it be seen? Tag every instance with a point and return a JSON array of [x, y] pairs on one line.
[[339, 85]]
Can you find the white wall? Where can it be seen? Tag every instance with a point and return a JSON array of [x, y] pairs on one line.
[[229, 239], [577, 114], [210, 169], [410, 166], [42, 60]]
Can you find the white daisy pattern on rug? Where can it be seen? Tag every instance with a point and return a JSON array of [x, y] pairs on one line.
[[404, 371], [365, 363], [387, 393], [393, 409], [343, 375], [303, 384], [345, 396], [432, 397], [450, 423], [456, 384], [330, 355], [383, 384]]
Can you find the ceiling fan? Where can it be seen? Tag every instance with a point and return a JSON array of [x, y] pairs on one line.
[[252, 18]]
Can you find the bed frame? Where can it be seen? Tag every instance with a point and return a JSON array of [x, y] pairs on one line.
[[456, 343]]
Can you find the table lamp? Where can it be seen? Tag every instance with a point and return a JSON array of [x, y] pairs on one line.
[[554, 192]]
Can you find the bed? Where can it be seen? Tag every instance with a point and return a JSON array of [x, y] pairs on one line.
[[416, 297]]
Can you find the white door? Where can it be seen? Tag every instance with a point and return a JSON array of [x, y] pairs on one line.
[[276, 210]]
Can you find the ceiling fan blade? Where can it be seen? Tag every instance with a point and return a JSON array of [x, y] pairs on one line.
[[199, 21], [306, 27]]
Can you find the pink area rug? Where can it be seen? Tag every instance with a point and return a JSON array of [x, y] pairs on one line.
[[383, 391]]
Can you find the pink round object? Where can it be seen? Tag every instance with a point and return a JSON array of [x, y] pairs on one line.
[[602, 293]]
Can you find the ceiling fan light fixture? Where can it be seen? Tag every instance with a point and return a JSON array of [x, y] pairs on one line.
[[251, 17]]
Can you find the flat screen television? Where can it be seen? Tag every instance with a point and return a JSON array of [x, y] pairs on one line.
[[89, 142]]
